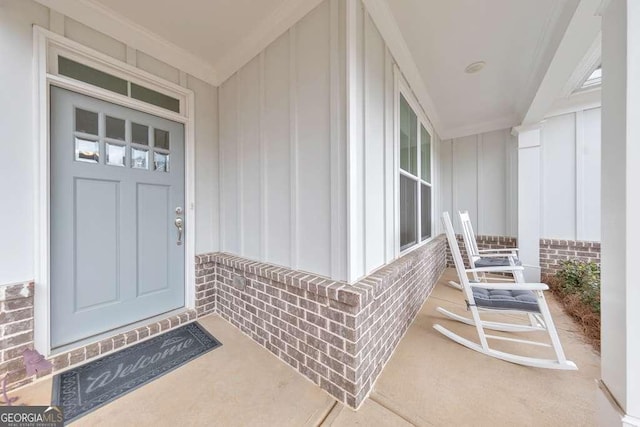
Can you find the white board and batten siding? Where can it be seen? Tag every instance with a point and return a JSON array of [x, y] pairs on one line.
[[282, 151], [479, 174], [18, 185], [570, 153], [370, 162], [373, 185]]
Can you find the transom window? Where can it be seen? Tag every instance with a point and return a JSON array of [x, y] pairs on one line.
[[110, 82], [415, 178]]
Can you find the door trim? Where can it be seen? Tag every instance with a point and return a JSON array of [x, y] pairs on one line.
[[44, 43]]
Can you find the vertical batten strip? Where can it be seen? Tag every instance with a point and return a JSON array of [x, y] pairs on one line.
[[363, 102], [221, 163], [396, 161], [132, 59], [264, 213], [389, 156], [351, 139], [580, 174], [337, 252], [293, 136], [56, 22], [239, 164], [479, 184]]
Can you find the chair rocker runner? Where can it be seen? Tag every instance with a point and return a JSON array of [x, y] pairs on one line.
[[527, 298]]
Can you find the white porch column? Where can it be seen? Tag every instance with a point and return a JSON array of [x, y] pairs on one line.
[[619, 398], [529, 184]]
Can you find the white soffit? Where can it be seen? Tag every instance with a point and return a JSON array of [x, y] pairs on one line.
[[516, 39], [209, 39]]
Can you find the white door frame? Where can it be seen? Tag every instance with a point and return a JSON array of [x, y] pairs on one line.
[[46, 43]]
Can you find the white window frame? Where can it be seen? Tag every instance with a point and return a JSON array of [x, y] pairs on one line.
[[47, 46], [402, 88]]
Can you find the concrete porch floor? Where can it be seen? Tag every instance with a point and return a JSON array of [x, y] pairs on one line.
[[429, 381]]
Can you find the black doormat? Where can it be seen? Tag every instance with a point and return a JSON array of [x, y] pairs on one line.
[[87, 387]]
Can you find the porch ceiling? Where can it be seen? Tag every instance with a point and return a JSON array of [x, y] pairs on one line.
[[208, 29], [517, 39]]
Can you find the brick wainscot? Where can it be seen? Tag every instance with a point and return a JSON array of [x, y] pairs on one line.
[[337, 335]]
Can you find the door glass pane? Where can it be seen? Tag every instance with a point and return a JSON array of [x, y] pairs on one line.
[[116, 154], [425, 211], [408, 138], [87, 151], [78, 71], [425, 154], [156, 98], [115, 128], [408, 209], [161, 162], [161, 139], [139, 134], [86, 121], [139, 158]]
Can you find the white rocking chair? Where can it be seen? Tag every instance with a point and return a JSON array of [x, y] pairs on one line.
[[527, 298], [507, 257], [500, 260]]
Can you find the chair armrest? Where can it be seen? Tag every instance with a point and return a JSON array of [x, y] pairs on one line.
[[512, 286], [506, 268], [499, 250]]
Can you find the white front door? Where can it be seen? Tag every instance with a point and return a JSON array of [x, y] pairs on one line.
[[117, 216]]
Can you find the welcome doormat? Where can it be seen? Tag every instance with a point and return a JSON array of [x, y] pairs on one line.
[[87, 387]]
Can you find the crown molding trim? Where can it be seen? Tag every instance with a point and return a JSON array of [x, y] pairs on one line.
[[388, 27], [104, 20], [276, 24], [584, 69]]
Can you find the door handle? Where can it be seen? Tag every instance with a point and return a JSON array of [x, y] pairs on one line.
[[180, 226]]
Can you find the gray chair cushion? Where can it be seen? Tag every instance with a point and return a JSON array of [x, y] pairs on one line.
[[494, 262], [506, 299]]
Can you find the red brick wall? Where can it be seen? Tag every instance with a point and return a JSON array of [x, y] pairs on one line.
[[16, 331], [337, 335], [552, 251]]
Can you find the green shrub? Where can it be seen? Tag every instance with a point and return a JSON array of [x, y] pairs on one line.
[[583, 279]]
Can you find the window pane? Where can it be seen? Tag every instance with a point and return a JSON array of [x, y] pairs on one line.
[[139, 134], [408, 212], [425, 211], [75, 70], [86, 121], [155, 98], [114, 128], [161, 139], [161, 162], [139, 158], [408, 138], [115, 154], [87, 151], [425, 154]]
